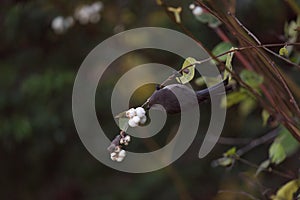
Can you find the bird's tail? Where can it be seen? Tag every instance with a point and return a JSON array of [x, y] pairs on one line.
[[216, 89]]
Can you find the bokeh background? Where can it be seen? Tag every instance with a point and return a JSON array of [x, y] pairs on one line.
[[41, 154]]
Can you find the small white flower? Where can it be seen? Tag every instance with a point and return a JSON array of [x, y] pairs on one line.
[[198, 11], [143, 120], [192, 6], [130, 113], [131, 123], [140, 112]]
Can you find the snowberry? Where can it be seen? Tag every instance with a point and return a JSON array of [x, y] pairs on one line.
[[192, 6], [97, 6], [140, 111], [125, 140], [121, 155], [136, 119], [132, 123], [58, 24], [143, 119], [118, 156], [94, 18], [68, 22], [130, 113], [197, 11]]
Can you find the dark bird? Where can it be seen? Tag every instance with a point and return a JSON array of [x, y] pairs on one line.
[[166, 96]]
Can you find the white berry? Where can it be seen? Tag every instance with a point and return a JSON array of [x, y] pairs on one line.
[[143, 120], [113, 156], [121, 156], [130, 113], [136, 119], [140, 111], [198, 11], [58, 24], [131, 123], [97, 6], [192, 6], [127, 138]]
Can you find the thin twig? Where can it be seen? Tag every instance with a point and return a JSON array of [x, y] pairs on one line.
[[259, 141], [278, 73], [234, 141], [282, 174]]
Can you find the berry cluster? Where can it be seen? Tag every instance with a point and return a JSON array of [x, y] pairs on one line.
[[60, 24], [84, 15], [89, 13], [115, 148], [136, 116]]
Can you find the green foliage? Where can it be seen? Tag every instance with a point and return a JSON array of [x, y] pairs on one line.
[[287, 191], [233, 99], [230, 152], [227, 160], [288, 142], [46, 84], [187, 72], [276, 152], [263, 166], [283, 51], [246, 101], [284, 145], [265, 116], [253, 79], [123, 123], [220, 49], [211, 20]]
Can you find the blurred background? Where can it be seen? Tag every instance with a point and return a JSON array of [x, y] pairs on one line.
[[42, 45]]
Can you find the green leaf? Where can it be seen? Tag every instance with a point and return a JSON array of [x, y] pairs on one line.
[[283, 51], [287, 191], [263, 166], [121, 115], [221, 48], [230, 152], [212, 21], [123, 123], [276, 152], [200, 81], [207, 80], [188, 72], [265, 116], [233, 98], [224, 162], [288, 142], [247, 106], [251, 78]]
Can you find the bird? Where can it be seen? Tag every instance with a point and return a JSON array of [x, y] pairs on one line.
[[166, 98]]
